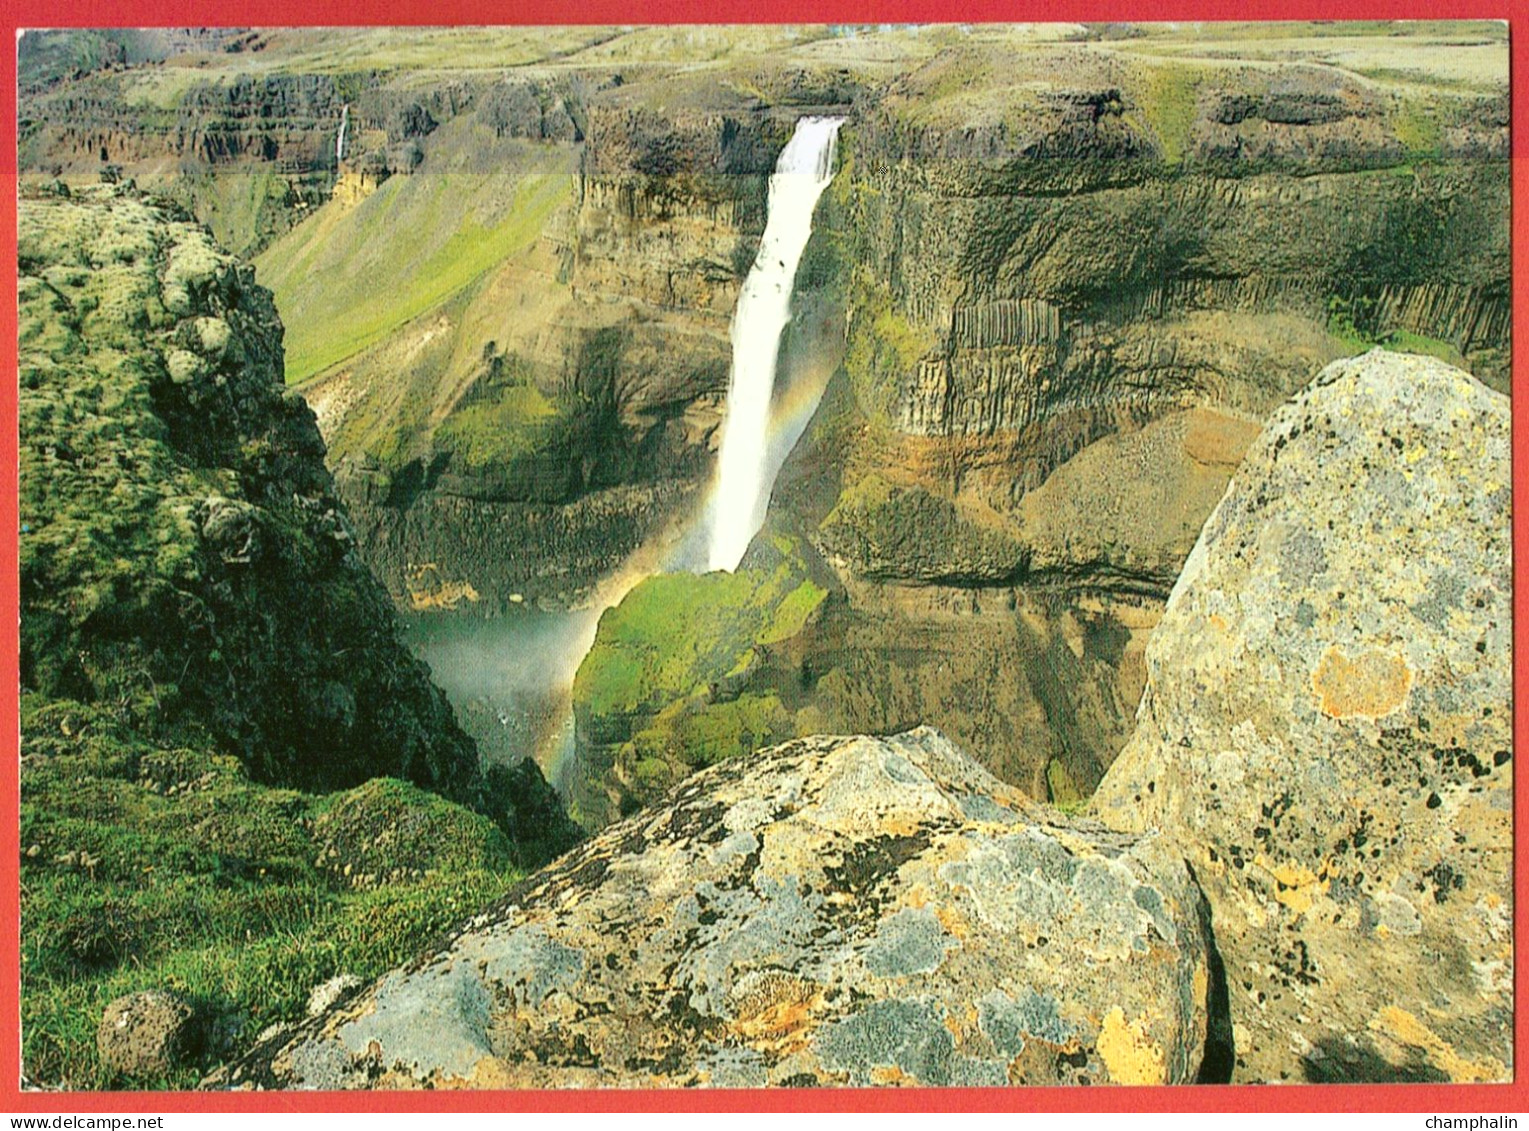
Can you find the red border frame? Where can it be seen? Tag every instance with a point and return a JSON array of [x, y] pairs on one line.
[[1482, 1098]]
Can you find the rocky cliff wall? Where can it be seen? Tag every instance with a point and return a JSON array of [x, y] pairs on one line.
[[1066, 315], [1068, 282], [1063, 327]]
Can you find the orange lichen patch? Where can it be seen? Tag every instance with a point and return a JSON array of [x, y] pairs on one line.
[[776, 1013], [1217, 440], [1396, 1027], [488, 1074], [1201, 985], [899, 824], [953, 922], [1373, 684], [778, 1021], [1039, 1060], [1011, 795], [1295, 885], [917, 896], [429, 590], [398, 1080], [891, 1074], [963, 1022], [1129, 1053]]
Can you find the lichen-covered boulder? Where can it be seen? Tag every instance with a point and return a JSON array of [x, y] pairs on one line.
[[831, 911], [1326, 731]]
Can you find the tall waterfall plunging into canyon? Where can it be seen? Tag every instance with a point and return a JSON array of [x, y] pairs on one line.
[[481, 666], [803, 171]]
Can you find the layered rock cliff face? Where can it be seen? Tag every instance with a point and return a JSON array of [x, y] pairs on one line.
[[1068, 320], [584, 424], [1069, 305], [1322, 756], [1067, 280]]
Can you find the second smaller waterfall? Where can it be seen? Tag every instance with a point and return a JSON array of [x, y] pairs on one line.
[[339, 141], [803, 171]]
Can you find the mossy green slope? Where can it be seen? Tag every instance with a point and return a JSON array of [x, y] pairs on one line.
[[151, 867], [355, 273], [182, 553], [204, 661], [660, 686]]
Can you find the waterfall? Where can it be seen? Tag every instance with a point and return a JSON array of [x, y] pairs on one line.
[[339, 141], [764, 306]]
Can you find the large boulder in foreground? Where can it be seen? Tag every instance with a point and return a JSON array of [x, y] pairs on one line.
[[1326, 731], [830, 911]]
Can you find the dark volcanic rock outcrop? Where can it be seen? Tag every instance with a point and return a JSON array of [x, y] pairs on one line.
[[1326, 731], [832, 911]]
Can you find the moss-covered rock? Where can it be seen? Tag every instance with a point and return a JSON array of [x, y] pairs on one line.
[[182, 552], [387, 830], [659, 690]]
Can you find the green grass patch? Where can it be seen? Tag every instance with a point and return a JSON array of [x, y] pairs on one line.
[[1168, 97], [691, 734], [1417, 125], [145, 868], [1405, 341], [1341, 323], [675, 634], [669, 634], [792, 613], [1349, 322], [243, 209], [345, 309], [668, 686], [516, 423], [1062, 791]]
